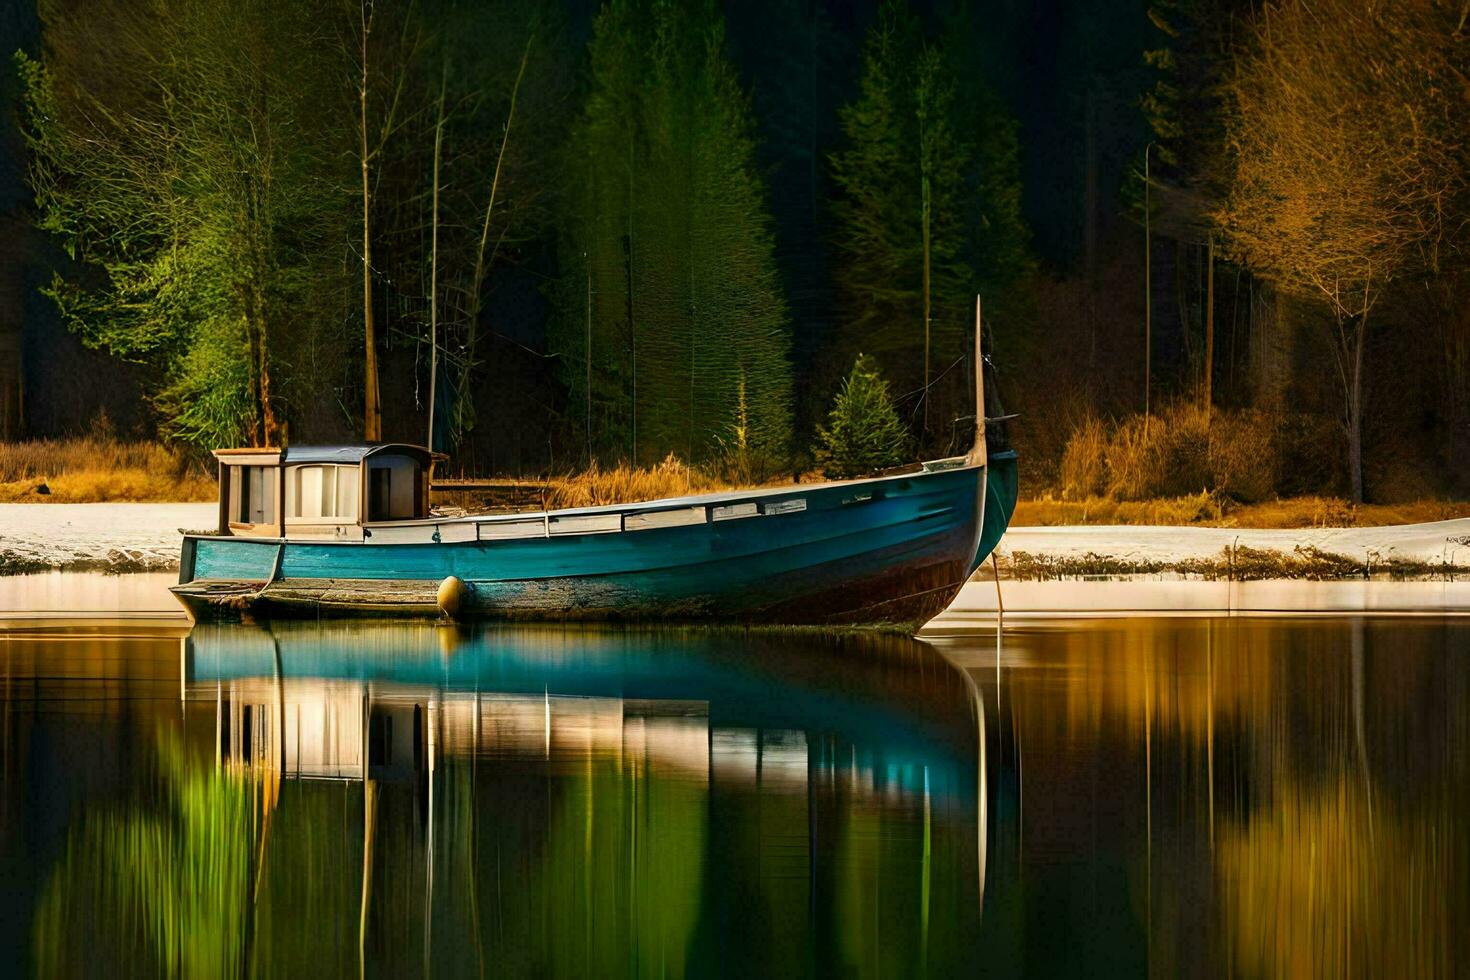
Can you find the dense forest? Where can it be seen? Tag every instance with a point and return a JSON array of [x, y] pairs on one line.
[[1221, 244]]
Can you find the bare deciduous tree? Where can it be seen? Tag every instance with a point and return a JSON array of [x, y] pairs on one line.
[[1343, 119]]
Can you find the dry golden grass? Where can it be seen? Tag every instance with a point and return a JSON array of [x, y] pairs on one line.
[[1332, 512], [1084, 467], [628, 484], [97, 469], [1196, 509], [1180, 451], [1209, 511]]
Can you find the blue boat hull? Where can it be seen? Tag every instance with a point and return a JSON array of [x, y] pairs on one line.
[[893, 550]]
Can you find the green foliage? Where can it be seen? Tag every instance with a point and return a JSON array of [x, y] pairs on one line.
[[667, 255], [182, 155], [879, 214], [924, 161], [863, 432], [207, 404], [162, 893], [1182, 108]]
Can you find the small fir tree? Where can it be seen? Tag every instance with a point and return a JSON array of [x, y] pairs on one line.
[[863, 431]]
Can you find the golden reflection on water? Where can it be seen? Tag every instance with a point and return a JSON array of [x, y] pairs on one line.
[[1254, 797]]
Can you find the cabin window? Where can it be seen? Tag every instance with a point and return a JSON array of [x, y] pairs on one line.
[[322, 493], [394, 488], [256, 501]]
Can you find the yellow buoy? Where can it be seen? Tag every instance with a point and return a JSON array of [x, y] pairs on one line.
[[453, 592]]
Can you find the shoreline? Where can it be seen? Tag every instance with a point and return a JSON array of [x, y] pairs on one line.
[[66, 599], [122, 538], [113, 537], [1430, 551]]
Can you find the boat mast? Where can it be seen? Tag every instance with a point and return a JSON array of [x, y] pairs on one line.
[[978, 453]]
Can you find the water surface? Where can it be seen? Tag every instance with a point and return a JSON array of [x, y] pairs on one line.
[[1124, 797]]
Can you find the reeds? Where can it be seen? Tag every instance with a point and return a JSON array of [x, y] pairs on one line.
[[1213, 510], [630, 484], [96, 469], [1198, 508], [1182, 450], [1230, 564]]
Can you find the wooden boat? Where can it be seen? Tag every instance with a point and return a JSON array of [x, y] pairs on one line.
[[293, 541]]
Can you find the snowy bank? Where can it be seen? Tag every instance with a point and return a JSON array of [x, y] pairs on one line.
[[108, 537], [975, 607], [1095, 571]]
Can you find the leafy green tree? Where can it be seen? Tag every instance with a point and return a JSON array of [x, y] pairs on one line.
[[863, 432], [670, 300], [181, 152]]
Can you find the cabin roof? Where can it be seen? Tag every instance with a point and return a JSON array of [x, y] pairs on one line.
[[347, 454]]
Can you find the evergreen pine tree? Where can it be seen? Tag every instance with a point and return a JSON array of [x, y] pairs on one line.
[[863, 433], [667, 250], [800, 69], [928, 213], [902, 274]]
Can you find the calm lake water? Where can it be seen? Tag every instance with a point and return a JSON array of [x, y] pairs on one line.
[[1167, 796]]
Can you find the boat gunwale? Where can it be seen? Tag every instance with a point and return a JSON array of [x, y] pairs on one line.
[[638, 507]]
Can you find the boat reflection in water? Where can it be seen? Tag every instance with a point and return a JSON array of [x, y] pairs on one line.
[[407, 798]]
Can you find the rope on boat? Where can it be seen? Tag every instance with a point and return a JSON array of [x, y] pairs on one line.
[[275, 571]]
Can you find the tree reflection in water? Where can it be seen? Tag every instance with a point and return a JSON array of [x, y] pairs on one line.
[[168, 884], [538, 802], [1162, 796], [1234, 797]]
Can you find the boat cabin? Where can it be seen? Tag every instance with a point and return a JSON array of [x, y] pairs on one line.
[[321, 491]]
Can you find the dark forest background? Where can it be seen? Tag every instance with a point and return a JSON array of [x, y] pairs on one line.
[[1220, 245]]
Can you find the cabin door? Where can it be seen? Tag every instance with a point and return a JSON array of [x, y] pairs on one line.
[[380, 493], [394, 489]]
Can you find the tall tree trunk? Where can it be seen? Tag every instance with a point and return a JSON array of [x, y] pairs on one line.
[[927, 316], [1148, 292], [1355, 412], [1272, 341], [1454, 320], [587, 358], [372, 420], [1209, 391], [252, 355], [434, 262], [477, 283], [693, 340], [263, 429], [270, 429], [1090, 198], [632, 322]]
